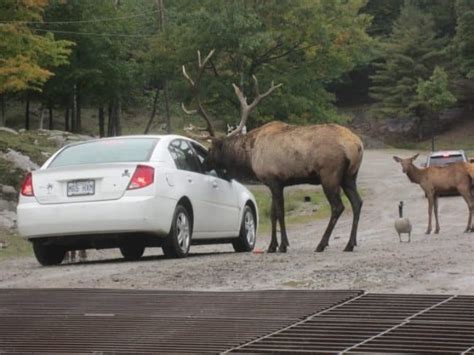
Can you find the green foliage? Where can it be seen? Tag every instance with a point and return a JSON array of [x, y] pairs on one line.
[[435, 91], [26, 57], [464, 39], [305, 45], [409, 55]]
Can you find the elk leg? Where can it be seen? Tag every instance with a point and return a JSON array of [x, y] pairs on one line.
[[435, 203], [430, 212], [274, 242], [280, 215], [337, 207], [350, 189], [466, 194]]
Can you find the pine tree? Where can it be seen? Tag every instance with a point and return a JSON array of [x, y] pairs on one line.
[[409, 55]]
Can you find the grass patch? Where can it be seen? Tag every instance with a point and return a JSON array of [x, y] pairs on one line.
[[16, 246], [297, 211]]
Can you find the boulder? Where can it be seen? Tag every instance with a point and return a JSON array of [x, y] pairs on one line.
[[20, 161]]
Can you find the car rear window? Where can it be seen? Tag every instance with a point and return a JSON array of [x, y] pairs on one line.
[[106, 151], [448, 159]]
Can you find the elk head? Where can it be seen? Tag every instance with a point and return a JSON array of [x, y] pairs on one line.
[[405, 163], [216, 158]]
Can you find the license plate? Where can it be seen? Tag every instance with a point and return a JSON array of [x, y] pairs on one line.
[[80, 188]]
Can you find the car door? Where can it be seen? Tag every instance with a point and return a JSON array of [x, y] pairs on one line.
[[194, 185], [223, 196]]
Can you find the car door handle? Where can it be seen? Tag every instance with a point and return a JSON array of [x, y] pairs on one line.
[[215, 184], [190, 180]]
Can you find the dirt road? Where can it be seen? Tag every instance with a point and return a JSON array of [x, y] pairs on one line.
[[440, 263]]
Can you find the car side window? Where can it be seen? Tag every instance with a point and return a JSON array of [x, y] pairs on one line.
[[184, 156], [200, 152]]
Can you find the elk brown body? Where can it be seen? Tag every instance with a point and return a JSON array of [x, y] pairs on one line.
[[280, 155], [437, 179]]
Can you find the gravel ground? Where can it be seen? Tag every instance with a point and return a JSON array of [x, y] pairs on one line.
[[429, 264]]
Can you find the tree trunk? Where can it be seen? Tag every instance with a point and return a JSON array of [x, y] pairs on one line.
[[66, 119], [110, 122], [41, 117], [118, 117], [101, 122], [50, 109], [27, 111], [3, 119], [78, 112], [161, 25], [153, 112], [167, 108], [74, 110]]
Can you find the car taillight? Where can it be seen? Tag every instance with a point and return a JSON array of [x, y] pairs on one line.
[[27, 186], [143, 176]]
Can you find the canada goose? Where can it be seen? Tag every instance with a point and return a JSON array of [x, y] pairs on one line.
[[402, 224]]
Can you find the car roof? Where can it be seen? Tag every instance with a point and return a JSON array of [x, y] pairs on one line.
[[168, 137], [442, 153]]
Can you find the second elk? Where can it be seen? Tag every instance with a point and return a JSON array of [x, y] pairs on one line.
[[279, 155]]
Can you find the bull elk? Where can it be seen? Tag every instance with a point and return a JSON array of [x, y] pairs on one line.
[[279, 155]]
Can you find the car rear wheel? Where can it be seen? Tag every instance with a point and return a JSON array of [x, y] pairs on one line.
[[248, 232], [178, 242], [48, 255], [132, 251]]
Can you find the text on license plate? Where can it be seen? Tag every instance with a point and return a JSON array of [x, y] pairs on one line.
[[81, 188]]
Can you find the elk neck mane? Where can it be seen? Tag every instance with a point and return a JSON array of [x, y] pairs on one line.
[[237, 156]]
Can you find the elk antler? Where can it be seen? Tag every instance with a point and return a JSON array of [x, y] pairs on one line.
[[195, 87], [246, 109]]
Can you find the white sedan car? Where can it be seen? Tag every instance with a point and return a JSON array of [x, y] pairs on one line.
[[132, 192]]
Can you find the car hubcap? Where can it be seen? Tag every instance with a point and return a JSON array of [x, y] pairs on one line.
[[249, 227], [182, 226]]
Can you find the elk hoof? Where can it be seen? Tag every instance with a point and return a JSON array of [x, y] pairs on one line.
[[428, 231], [349, 248], [320, 248], [282, 248], [436, 231], [272, 249]]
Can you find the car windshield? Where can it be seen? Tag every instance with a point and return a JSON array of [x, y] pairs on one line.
[[106, 151], [443, 160]]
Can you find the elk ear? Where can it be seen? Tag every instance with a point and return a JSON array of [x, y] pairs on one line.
[[413, 158], [397, 159]]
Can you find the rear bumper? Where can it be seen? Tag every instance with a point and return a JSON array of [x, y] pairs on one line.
[[129, 214]]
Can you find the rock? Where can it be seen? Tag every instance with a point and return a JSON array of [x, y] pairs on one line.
[[8, 130], [7, 219], [8, 190], [21, 161], [3, 244], [58, 140]]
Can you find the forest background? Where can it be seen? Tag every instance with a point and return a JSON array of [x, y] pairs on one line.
[[112, 67]]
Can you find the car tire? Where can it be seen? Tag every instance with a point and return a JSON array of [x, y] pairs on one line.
[[48, 255], [248, 232], [178, 242], [132, 251]]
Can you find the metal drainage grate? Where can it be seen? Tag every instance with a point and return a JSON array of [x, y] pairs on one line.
[[150, 321], [379, 323]]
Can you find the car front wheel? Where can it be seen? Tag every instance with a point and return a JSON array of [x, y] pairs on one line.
[[178, 241], [248, 232], [48, 255]]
